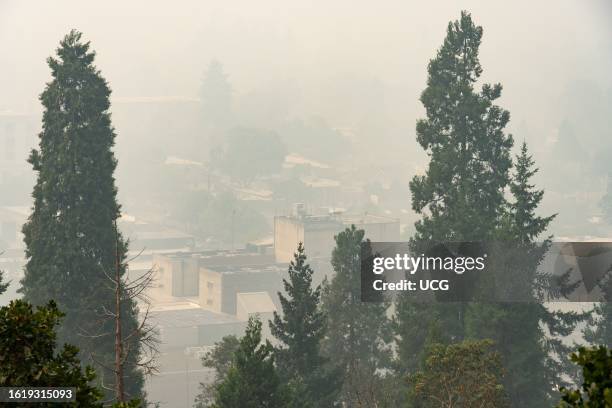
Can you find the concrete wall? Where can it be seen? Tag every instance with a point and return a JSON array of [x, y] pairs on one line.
[[319, 242], [288, 232], [264, 281], [381, 232], [210, 293]]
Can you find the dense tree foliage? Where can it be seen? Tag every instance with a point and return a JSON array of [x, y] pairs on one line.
[[596, 387], [300, 330], [70, 235], [463, 375], [358, 332], [220, 359], [28, 355], [252, 380]]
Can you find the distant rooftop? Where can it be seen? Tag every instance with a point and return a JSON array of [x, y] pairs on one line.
[[213, 253], [359, 219], [233, 269], [188, 317], [336, 217], [255, 302]]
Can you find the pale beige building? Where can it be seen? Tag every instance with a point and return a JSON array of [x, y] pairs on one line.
[[178, 273], [220, 285], [317, 232]]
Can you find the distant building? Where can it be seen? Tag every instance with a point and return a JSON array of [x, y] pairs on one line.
[[153, 237], [221, 285], [185, 324], [178, 273], [317, 232], [251, 304]]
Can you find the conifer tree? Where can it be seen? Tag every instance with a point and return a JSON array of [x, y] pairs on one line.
[[526, 225], [70, 235], [358, 332], [461, 197], [220, 359], [300, 330], [527, 335], [252, 380], [463, 188]]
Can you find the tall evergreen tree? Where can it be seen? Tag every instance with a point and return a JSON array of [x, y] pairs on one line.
[[463, 188], [462, 198], [526, 226], [70, 235], [252, 380], [461, 195], [300, 330], [358, 332]]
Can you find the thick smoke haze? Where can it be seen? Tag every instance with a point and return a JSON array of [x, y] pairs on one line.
[[161, 49], [359, 65], [248, 129]]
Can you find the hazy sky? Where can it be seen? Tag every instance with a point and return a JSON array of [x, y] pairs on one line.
[[161, 48], [338, 59], [359, 64]]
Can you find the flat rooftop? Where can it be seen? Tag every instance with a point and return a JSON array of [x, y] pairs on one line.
[[170, 317], [235, 269], [341, 218], [222, 257], [367, 219], [255, 302]]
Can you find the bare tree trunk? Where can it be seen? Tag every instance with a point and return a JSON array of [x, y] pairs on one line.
[[141, 343], [119, 392]]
